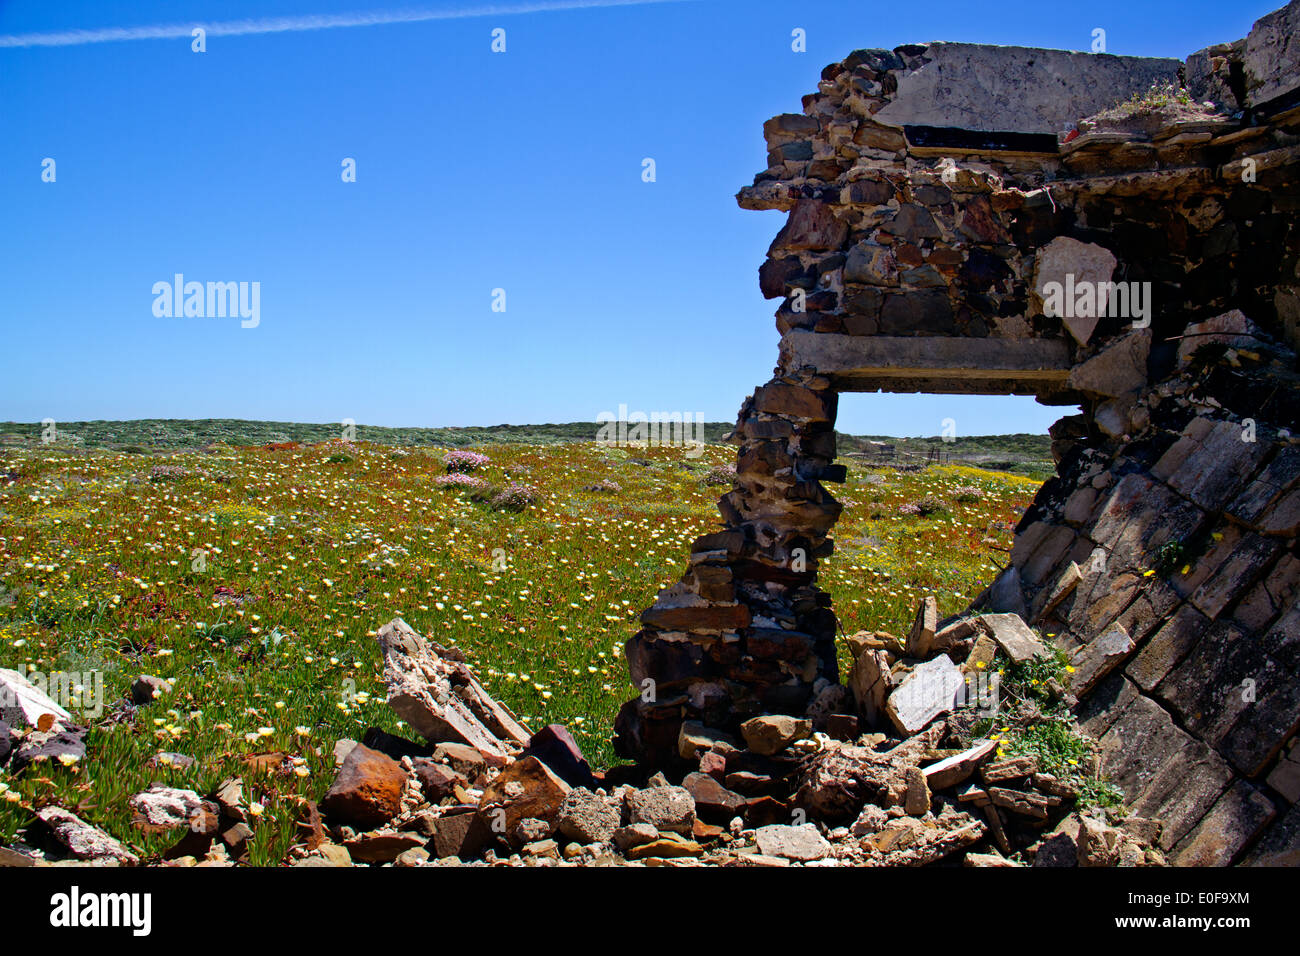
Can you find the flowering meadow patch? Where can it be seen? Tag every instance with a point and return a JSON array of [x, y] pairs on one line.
[[253, 580]]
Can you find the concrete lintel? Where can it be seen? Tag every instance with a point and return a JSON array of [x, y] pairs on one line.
[[994, 366]]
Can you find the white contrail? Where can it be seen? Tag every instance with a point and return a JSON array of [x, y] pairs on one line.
[[232, 28]]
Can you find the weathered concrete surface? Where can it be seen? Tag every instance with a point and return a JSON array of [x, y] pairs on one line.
[[1016, 89]]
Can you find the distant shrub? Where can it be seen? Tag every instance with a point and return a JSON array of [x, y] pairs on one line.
[[462, 462], [924, 507], [460, 480], [134, 450], [720, 475], [605, 486], [514, 497], [167, 473], [338, 458], [967, 494]]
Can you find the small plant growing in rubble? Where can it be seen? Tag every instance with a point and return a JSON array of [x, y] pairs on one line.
[[1036, 720], [1158, 96]]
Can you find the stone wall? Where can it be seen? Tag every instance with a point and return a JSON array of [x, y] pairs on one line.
[[927, 221]]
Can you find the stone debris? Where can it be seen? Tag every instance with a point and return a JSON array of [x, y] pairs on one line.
[[83, 841], [586, 817], [801, 843], [772, 734], [669, 808], [525, 790], [930, 246], [1096, 659], [61, 743], [164, 808], [367, 790], [147, 688]]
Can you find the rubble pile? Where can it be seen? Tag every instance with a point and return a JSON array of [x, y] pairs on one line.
[[479, 789], [777, 793], [893, 778]]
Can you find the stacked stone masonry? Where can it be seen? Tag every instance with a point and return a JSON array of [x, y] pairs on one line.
[[927, 218]]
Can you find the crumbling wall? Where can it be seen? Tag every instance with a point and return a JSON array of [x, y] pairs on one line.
[[929, 216]]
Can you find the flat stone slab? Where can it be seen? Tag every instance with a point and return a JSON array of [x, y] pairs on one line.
[[1013, 636], [1020, 89], [1098, 658], [929, 691], [956, 769]]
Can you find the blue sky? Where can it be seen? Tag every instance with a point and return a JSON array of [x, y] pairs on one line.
[[475, 171]]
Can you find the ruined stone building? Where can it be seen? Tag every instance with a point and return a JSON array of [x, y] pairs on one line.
[[953, 211]]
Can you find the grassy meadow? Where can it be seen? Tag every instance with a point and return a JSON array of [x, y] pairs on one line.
[[253, 579]]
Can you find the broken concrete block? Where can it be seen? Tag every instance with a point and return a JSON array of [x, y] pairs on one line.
[[587, 817], [439, 697], [665, 808]]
